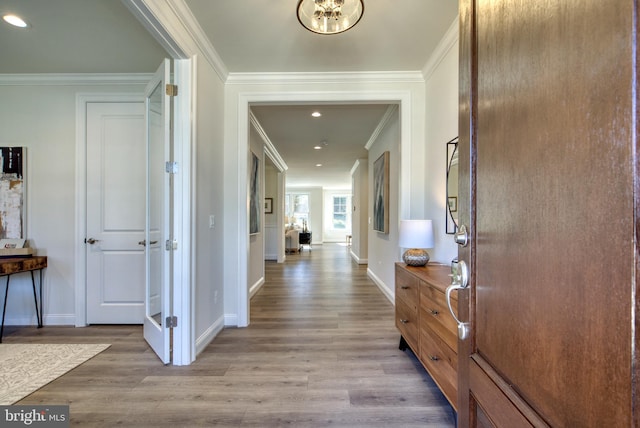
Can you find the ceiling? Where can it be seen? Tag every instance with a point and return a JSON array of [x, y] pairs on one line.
[[250, 36]]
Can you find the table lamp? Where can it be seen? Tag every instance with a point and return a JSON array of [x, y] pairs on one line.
[[416, 235]]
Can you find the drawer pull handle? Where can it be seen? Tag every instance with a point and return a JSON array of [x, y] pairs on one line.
[[404, 287], [404, 321], [434, 357], [434, 311]]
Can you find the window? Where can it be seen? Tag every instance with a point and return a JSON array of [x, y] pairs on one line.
[[339, 212], [297, 208]]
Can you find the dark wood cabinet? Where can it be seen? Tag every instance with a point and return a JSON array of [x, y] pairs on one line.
[[426, 326]]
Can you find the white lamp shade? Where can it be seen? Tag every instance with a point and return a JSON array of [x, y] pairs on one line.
[[416, 234]]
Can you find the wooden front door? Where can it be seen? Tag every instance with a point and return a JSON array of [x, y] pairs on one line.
[[547, 188]]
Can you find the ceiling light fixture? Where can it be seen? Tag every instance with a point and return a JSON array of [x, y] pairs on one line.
[[318, 164], [316, 114], [317, 147], [15, 20], [329, 16]]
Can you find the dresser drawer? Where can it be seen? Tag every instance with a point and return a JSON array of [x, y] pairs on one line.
[[442, 363], [407, 323], [407, 287], [434, 315]]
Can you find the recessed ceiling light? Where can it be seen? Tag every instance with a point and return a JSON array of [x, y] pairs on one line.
[[316, 114], [15, 20], [317, 147], [318, 164]]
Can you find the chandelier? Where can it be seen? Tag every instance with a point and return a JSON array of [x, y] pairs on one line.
[[329, 16]]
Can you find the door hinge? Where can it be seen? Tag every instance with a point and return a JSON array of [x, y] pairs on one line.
[[171, 167], [171, 322], [172, 90], [171, 244]]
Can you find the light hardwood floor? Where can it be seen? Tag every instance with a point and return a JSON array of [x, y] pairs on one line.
[[321, 350]]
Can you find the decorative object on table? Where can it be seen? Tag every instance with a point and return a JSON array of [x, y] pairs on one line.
[[416, 235], [452, 187], [15, 248], [381, 194], [254, 196], [329, 16], [12, 193]]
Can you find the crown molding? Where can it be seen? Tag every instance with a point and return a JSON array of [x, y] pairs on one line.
[[71, 79], [447, 42], [329, 77], [383, 122], [269, 148]]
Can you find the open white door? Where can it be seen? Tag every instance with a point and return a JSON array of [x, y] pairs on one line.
[[158, 214]]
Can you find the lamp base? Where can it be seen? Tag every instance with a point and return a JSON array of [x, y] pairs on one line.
[[415, 257]]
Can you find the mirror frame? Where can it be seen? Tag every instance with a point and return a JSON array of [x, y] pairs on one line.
[[451, 225]]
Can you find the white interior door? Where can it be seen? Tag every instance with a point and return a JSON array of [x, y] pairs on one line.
[[116, 159], [158, 214]]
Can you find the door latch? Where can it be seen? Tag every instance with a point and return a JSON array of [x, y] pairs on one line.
[[459, 281]]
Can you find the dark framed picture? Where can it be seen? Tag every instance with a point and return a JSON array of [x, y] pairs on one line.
[[381, 194], [453, 203], [254, 196], [268, 205]]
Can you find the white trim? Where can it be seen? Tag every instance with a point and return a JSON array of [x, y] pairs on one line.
[[269, 148], [357, 259], [401, 97], [82, 99], [256, 287], [209, 334], [386, 290], [332, 77], [381, 125], [447, 42], [184, 347], [70, 79]]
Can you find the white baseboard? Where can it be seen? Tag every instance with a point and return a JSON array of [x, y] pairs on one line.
[[256, 287], [49, 319], [231, 320], [207, 337], [386, 290], [357, 259]]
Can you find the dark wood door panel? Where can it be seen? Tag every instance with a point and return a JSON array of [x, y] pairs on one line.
[[549, 130]]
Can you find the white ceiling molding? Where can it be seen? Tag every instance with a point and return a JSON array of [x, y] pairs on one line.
[[173, 25], [447, 42], [269, 148], [70, 79], [337, 77], [383, 122]]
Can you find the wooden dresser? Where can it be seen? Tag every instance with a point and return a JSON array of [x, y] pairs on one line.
[[427, 327]]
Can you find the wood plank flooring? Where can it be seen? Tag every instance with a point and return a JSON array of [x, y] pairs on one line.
[[321, 350]]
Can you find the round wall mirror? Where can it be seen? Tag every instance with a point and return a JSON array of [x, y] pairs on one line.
[[452, 186]]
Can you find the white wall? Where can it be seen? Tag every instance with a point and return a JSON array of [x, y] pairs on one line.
[[441, 125], [360, 212], [271, 229], [383, 248], [42, 118], [209, 199], [255, 268]]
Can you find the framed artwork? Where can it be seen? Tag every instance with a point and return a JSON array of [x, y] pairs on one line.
[[12, 193], [452, 187], [254, 196], [268, 205], [381, 194]]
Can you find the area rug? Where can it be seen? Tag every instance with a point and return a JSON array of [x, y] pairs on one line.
[[25, 368]]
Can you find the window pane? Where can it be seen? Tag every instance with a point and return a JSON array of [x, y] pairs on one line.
[[339, 212]]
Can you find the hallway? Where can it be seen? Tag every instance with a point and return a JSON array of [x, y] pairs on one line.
[[321, 350]]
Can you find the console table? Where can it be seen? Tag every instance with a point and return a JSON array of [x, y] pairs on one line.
[[12, 266]]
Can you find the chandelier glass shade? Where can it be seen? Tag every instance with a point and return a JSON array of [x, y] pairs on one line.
[[329, 16]]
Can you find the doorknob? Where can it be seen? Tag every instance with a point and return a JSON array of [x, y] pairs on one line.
[[91, 241], [459, 281], [144, 242], [462, 236]]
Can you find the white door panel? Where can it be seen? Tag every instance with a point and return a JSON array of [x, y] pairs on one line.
[[115, 212]]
